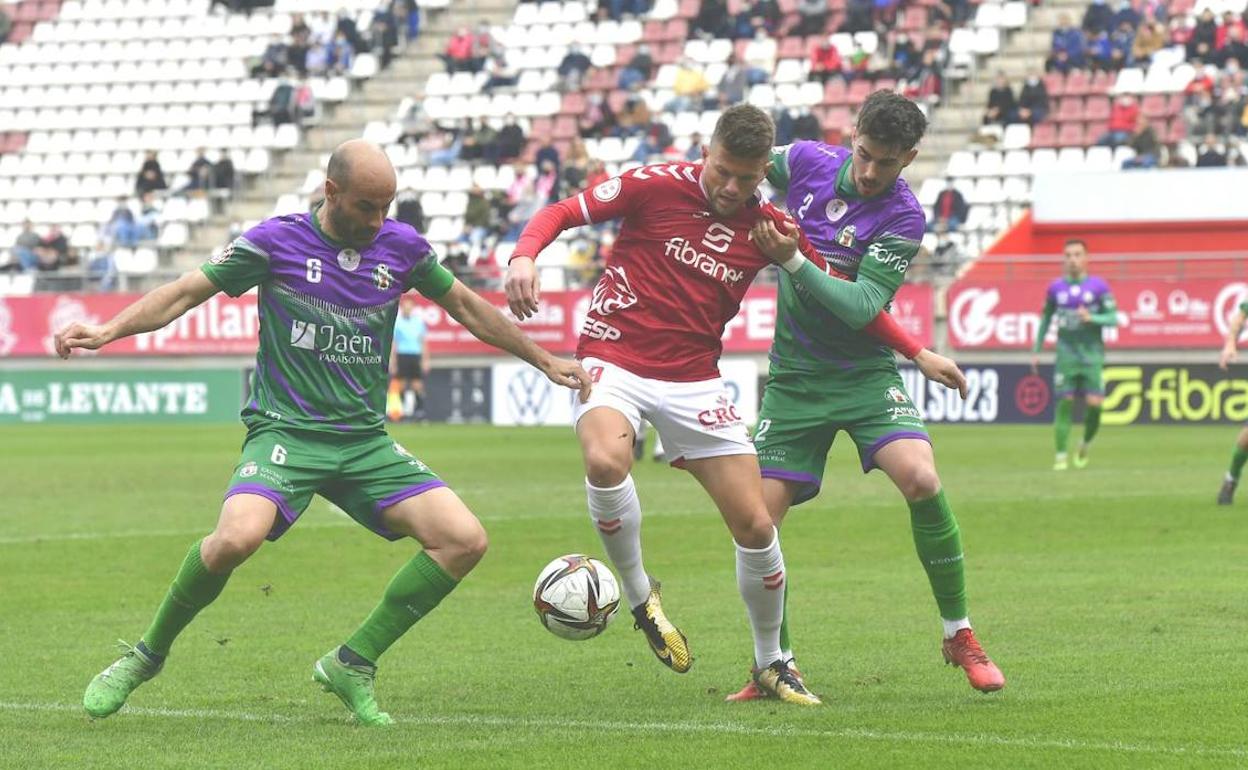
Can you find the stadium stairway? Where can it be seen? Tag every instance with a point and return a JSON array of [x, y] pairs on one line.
[[958, 119], [374, 99]]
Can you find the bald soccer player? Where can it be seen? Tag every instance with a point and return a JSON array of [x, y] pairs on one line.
[[329, 286]]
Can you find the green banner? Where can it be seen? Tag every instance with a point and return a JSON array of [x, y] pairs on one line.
[[98, 395]]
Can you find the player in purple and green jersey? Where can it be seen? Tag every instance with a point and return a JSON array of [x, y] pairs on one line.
[[329, 285], [1239, 455], [827, 376], [1083, 306]]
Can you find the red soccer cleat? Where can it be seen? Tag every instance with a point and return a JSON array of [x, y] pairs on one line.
[[751, 691], [963, 650]]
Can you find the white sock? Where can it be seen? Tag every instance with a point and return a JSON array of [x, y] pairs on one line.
[[1229, 478], [616, 512], [952, 627], [760, 578]]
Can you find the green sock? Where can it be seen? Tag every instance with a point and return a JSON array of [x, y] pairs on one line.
[[414, 591], [785, 646], [1061, 422], [1091, 423], [193, 589], [1237, 463], [939, 544]]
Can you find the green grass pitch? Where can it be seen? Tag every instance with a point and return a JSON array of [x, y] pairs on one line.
[[1113, 598]]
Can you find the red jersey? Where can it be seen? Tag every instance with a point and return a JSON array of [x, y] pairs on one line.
[[677, 272]]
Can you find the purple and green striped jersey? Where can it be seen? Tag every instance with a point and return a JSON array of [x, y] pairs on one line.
[[1078, 341], [869, 239], [326, 318]]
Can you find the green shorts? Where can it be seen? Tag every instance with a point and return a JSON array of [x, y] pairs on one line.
[[802, 414], [362, 475], [1070, 377]]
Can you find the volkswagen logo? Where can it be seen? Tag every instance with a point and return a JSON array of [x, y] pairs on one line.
[[529, 397]]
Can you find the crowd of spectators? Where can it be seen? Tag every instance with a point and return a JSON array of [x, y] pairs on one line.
[[1130, 33]]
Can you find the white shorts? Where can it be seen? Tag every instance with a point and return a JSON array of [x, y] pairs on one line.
[[695, 419]]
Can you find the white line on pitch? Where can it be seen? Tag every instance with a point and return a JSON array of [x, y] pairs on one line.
[[712, 728]]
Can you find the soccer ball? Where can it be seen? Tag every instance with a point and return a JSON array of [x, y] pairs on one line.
[[576, 596]]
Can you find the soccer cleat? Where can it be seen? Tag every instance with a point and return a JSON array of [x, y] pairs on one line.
[[1226, 495], [780, 681], [353, 685], [751, 690], [666, 641], [1060, 463], [1080, 460], [963, 650], [108, 691]]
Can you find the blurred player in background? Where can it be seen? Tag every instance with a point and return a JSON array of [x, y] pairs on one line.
[[330, 282], [1084, 306], [410, 361], [1230, 353], [651, 343], [827, 376]]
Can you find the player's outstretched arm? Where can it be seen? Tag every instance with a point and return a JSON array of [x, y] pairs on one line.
[[857, 303], [1230, 348], [150, 312], [522, 284], [492, 327]]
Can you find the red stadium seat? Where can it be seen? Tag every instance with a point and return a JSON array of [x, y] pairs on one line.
[[689, 8], [654, 32], [1178, 130], [1096, 130], [1044, 135], [1055, 84], [859, 90], [1096, 108], [573, 103], [1153, 105], [1069, 109], [835, 92], [565, 127], [1175, 105], [1078, 83], [791, 48], [599, 79], [1071, 135], [669, 53], [1102, 82]]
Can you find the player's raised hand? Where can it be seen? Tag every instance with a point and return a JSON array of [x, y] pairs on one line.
[[79, 335], [523, 287], [777, 246], [1230, 354], [569, 374], [940, 369]]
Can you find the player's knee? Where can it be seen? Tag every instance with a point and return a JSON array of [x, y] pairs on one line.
[[225, 549], [919, 482], [465, 547], [756, 531], [604, 468]]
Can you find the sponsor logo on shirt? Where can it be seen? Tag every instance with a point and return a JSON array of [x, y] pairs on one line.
[[332, 345], [887, 258], [718, 237], [684, 252]]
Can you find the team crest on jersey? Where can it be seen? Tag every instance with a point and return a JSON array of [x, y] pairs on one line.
[[608, 190], [894, 394], [836, 209], [348, 259], [248, 470], [382, 278], [846, 236]]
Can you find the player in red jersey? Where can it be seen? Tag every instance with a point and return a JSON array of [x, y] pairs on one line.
[[651, 342]]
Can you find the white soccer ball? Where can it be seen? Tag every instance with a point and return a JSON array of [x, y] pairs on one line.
[[576, 596]]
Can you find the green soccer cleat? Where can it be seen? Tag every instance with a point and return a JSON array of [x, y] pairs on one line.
[[109, 689], [1080, 460], [354, 687], [1226, 495]]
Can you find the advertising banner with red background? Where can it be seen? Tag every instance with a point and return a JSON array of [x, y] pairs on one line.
[[225, 326], [1151, 314]]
